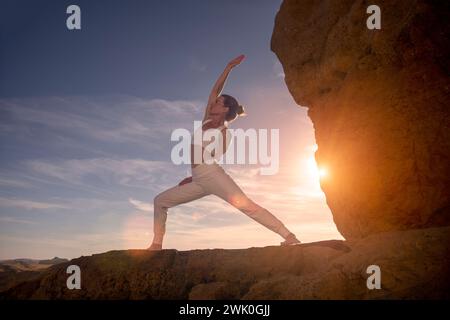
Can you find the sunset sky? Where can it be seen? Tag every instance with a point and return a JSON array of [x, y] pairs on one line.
[[87, 115]]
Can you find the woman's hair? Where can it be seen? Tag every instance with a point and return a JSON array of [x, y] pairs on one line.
[[234, 108]]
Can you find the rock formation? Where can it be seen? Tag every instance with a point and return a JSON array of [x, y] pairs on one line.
[[414, 264], [379, 103]]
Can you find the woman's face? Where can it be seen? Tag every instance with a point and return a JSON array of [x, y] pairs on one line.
[[218, 111]]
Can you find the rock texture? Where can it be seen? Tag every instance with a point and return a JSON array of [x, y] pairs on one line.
[[414, 264], [379, 102]]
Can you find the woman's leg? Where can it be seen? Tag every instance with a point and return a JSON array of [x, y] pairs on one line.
[[171, 198], [224, 186]]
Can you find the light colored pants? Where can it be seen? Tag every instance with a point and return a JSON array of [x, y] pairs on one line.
[[211, 179]]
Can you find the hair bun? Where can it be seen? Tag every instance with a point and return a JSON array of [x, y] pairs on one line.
[[240, 110]]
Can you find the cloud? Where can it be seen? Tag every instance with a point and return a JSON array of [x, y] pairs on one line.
[[14, 220], [143, 206], [98, 172], [111, 119], [6, 182], [30, 205]]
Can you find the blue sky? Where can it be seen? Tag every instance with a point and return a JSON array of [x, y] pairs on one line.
[[86, 118]]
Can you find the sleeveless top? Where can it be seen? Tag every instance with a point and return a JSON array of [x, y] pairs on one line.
[[210, 142]]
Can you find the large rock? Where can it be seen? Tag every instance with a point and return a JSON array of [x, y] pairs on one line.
[[414, 264], [379, 102]]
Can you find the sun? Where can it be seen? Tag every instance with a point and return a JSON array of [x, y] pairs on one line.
[[322, 172], [316, 171]]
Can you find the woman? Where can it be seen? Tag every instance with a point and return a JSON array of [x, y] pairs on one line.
[[210, 178]]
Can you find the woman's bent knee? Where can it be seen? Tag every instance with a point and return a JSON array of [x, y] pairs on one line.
[[158, 200], [163, 199]]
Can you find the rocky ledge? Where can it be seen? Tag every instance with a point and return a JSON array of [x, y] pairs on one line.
[[413, 264]]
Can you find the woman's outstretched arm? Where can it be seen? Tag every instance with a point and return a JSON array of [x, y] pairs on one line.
[[218, 86]]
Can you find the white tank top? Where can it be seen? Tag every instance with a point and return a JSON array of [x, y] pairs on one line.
[[210, 141]]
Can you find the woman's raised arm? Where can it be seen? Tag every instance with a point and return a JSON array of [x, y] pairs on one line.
[[218, 86]]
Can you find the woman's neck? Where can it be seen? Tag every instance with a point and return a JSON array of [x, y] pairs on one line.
[[212, 124]]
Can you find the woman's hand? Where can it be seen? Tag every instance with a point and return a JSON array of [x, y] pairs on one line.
[[233, 63], [185, 180]]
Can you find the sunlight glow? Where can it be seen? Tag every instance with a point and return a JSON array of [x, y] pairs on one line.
[[314, 170], [322, 172]]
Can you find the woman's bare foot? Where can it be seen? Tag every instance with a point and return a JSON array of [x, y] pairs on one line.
[[290, 239], [155, 247]]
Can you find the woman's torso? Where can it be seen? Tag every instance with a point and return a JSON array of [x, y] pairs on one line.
[[200, 144]]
